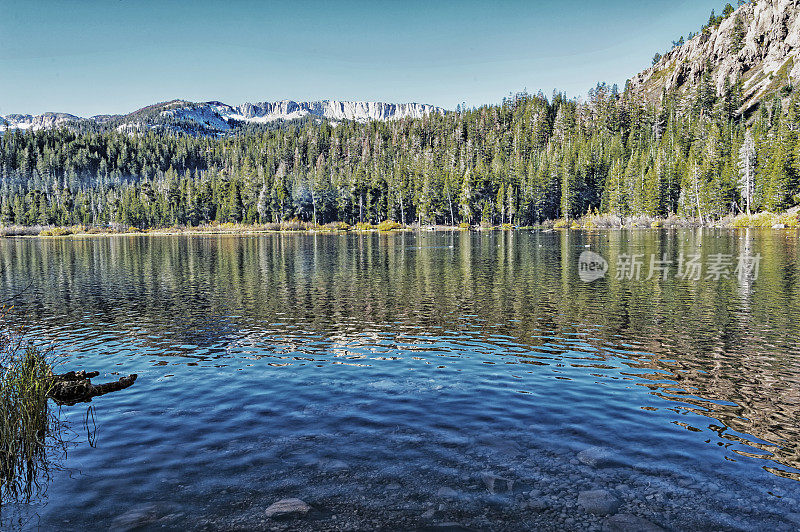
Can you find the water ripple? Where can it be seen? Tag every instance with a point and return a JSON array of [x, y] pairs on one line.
[[366, 374]]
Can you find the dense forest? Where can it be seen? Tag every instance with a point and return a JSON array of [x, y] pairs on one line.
[[529, 159]]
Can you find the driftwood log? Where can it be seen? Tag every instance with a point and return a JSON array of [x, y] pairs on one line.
[[76, 387]]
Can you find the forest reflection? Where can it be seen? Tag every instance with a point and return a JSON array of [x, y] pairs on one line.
[[725, 349]]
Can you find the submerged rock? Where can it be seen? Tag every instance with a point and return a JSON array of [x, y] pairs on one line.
[[630, 523], [538, 505], [447, 493], [136, 517], [490, 445], [497, 484], [333, 466], [287, 507], [598, 502], [449, 527], [596, 457], [429, 514]]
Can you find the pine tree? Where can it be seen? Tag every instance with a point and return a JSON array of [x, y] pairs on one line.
[[465, 200], [615, 201], [782, 182], [738, 35], [747, 170], [7, 213]]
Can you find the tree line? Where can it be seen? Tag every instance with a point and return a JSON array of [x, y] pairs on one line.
[[526, 160]]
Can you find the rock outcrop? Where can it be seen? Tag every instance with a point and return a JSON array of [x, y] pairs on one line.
[[35, 122], [329, 109], [220, 118], [758, 44]]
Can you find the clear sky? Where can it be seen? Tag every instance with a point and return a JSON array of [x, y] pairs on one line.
[[114, 56]]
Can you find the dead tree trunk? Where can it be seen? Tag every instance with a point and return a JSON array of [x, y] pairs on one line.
[[76, 387]]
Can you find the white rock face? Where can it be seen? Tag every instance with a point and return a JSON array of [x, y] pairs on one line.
[[331, 109], [770, 55], [35, 122], [219, 117]]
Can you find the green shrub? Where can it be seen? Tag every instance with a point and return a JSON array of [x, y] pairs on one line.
[[759, 220], [790, 219], [56, 231], [389, 225], [335, 226]]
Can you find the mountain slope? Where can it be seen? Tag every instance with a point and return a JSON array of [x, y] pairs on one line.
[[759, 44], [220, 118], [35, 122]]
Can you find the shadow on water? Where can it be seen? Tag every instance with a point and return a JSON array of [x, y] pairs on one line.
[[396, 365]]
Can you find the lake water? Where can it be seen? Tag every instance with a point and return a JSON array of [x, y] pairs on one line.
[[413, 380]]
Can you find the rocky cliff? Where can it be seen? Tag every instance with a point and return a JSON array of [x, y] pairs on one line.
[[218, 117], [330, 109], [43, 121], [758, 44]]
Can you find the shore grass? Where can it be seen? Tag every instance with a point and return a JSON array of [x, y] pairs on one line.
[[610, 221], [28, 429], [785, 220]]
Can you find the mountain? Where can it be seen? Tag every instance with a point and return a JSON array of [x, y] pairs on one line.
[[757, 44], [329, 109], [221, 118], [35, 122]]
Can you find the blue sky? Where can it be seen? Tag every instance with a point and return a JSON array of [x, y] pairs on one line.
[[115, 56]]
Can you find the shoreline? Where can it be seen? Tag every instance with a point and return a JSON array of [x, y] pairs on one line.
[[438, 229], [775, 222], [788, 220]]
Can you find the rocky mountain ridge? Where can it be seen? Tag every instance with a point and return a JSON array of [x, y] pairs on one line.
[[220, 118], [758, 44], [42, 121]]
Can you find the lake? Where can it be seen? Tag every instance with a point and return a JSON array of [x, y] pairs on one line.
[[410, 380]]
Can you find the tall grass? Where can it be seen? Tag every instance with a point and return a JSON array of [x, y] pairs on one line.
[[789, 219], [28, 429]]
